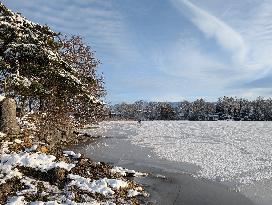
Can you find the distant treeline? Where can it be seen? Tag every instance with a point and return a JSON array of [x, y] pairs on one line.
[[226, 108]]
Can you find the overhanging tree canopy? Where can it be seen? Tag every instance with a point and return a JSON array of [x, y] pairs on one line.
[[32, 66]]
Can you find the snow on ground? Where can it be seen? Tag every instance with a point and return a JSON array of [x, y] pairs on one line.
[[71, 153], [238, 152], [40, 161], [2, 97], [101, 186], [2, 134], [26, 123], [20, 200], [132, 193], [10, 169], [126, 172], [16, 200], [18, 141], [32, 148]]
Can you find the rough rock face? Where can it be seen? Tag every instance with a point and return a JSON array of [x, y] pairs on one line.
[[8, 122]]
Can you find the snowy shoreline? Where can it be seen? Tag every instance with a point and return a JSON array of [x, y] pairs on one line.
[[32, 174]]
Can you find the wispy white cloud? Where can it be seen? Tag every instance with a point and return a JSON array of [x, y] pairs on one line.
[[252, 19], [213, 27], [185, 59], [245, 31], [98, 21], [257, 31], [232, 48]]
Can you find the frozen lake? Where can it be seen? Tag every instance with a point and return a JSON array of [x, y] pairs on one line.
[[238, 154]]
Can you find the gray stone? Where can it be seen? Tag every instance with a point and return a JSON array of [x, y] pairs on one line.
[[8, 121]]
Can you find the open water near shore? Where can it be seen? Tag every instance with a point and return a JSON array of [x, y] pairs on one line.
[[221, 162]]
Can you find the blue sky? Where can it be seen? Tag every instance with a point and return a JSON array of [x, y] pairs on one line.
[[169, 50]]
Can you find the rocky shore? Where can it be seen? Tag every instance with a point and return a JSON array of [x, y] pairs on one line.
[[34, 172]]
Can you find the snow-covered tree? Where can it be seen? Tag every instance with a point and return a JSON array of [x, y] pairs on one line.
[[84, 64], [28, 55], [38, 70], [35, 68]]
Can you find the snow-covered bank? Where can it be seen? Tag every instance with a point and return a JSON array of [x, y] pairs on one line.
[[32, 174]]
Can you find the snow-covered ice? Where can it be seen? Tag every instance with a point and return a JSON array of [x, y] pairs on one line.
[[229, 151]]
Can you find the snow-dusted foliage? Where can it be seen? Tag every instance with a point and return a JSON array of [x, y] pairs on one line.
[[84, 65], [26, 49], [226, 108], [30, 59], [44, 73]]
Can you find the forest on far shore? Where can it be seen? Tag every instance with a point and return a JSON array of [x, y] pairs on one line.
[[226, 108]]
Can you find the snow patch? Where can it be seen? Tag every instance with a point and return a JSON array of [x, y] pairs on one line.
[[39, 161], [102, 186], [126, 172], [2, 98], [2, 134], [72, 154], [16, 200], [18, 141], [31, 149], [132, 193]]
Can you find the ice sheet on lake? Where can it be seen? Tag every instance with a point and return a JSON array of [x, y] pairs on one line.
[[239, 152]]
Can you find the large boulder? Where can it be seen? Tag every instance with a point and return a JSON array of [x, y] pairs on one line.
[[8, 121]]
